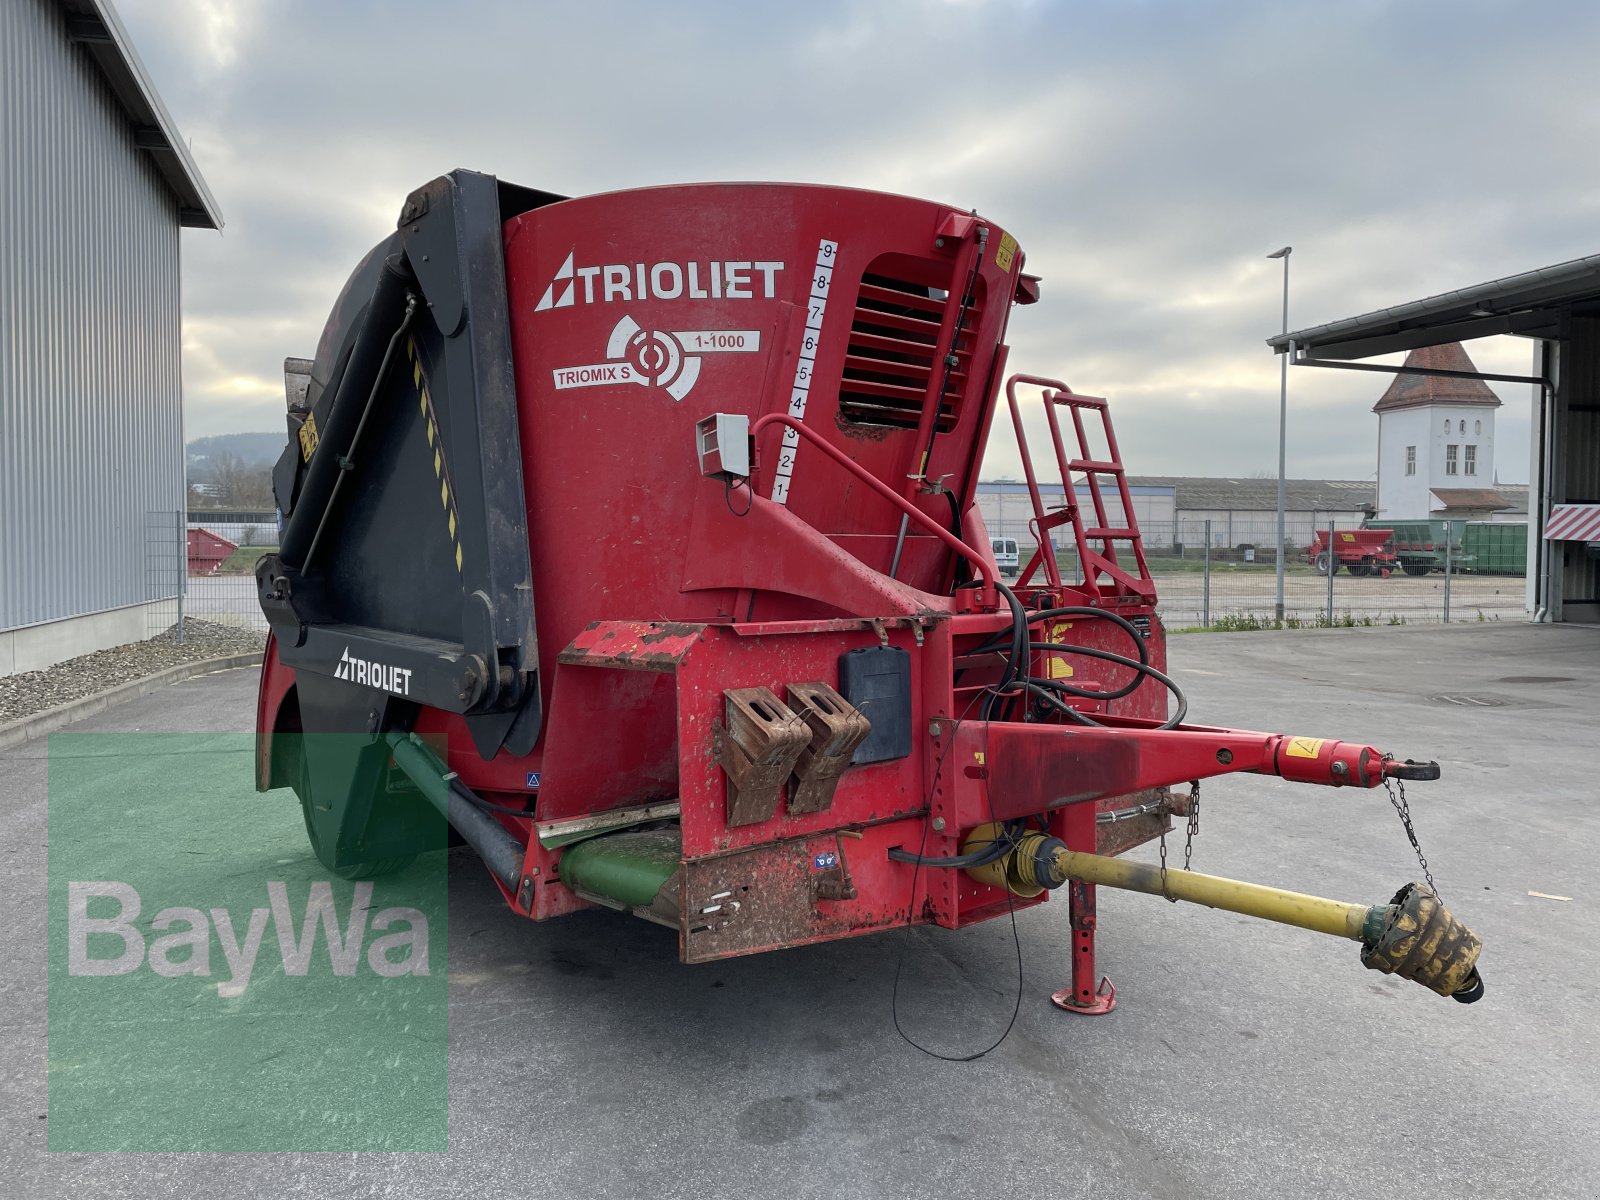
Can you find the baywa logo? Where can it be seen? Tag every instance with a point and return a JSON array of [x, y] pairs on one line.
[[721, 279], [373, 674], [185, 944], [668, 359]]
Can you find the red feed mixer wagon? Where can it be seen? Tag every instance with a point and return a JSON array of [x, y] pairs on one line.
[[1359, 551], [631, 540]]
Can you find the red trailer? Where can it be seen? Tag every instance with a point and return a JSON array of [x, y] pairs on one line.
[[208, 551], [1359, 551], [727, 438]]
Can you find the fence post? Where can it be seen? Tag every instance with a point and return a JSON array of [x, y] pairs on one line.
[[1205, 584], [181, 520], [1333, 568], [1447, 565]]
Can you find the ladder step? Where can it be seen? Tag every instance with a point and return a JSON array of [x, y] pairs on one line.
[[1124, 535], [1098, 468], [1076, 401]]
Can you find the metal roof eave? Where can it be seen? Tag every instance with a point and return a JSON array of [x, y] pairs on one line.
[[1523, 304], [95, 26]]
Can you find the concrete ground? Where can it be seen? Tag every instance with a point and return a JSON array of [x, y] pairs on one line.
[[1243, 1060]]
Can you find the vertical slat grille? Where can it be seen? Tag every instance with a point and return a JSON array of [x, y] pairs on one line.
[[891, 368]]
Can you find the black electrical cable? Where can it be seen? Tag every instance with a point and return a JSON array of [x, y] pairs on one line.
[[963, 569], [1018, 660], [1078, 610], [473, 798], [729, 487], [978, 858], [1145, 670], [1016, 938], [1023, 649]]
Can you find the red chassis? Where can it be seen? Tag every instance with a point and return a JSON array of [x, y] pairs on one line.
[[636, 704]]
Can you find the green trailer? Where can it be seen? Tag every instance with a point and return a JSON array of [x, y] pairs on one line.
[[1496, 547], [1420, 545]]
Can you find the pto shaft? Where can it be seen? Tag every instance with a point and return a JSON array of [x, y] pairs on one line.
[[1251, 899], [1413, 936]]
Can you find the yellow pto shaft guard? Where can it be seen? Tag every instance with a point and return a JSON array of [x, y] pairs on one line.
[[1414, 936]]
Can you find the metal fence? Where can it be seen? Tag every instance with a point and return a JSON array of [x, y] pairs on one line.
[[186, 581], [1208, 577], [164, 571]]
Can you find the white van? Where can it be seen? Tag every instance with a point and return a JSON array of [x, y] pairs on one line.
[[1005, 555]]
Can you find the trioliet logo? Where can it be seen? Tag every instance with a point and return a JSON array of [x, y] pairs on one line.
[[373, 674], [721, 279]]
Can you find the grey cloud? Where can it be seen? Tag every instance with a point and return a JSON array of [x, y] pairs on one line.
[[1146, 156]]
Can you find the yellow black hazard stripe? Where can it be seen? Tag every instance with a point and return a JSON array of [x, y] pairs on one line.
[[441, 469]]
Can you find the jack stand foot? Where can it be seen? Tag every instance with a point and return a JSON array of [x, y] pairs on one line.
[[1102, 1002]]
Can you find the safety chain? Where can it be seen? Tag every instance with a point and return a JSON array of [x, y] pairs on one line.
[[1188, 841], [1404, 809]]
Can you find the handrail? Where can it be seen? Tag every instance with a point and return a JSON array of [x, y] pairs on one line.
[[985, 571]]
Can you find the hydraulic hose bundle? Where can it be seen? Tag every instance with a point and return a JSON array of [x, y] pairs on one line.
[[1049, 691]]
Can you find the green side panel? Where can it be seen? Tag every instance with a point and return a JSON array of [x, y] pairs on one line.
[[1497, 548], [1423, 541], [629, 868]]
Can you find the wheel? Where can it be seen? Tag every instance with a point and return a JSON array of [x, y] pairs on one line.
[[1417, 568], [1326, 564], [366, 870]]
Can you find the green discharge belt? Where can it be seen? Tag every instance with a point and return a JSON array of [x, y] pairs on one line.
[[629, 868]]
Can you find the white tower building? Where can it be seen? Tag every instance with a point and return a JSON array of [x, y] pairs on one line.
[[1436, 441]]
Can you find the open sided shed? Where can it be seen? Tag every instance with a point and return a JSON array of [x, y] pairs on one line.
[[1558, 307]]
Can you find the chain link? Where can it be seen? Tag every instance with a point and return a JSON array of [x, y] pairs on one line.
[[1194, 822], [1188, 841], [1403, 807]]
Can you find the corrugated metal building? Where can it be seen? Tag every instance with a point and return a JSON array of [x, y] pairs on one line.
[[98, 183], [1172, 510], [1007, 509], [1244, 512], [1558, 307]]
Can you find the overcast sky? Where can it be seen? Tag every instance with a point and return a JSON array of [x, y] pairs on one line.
[[1147, 156]]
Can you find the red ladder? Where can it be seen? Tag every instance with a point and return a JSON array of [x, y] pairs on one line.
[[1103, 571]]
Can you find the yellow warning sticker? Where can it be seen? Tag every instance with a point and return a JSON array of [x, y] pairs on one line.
[[1005, 252], [308, 437], [1347, 537], [1304, 747], [1058, 667]]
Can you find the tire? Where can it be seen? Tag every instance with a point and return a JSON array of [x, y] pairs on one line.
[[1326, 564], [1416, 569], [367, 870]]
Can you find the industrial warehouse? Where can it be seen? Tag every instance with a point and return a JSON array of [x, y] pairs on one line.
[[597, 642]]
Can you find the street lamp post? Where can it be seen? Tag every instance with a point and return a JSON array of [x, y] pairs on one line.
[[1283, 422]]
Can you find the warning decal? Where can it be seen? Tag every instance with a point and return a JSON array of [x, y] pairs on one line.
[[1304, 747], [1005, 252], [1059, 668]]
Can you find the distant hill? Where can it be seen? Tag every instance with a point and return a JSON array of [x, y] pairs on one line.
[[251, 449]]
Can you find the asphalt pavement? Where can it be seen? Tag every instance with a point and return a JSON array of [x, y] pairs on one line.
[[1242, 1060]]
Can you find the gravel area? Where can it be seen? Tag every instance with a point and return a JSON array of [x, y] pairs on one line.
[[34, 691]]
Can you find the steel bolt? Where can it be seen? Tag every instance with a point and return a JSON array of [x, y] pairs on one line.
[[938, 824]]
